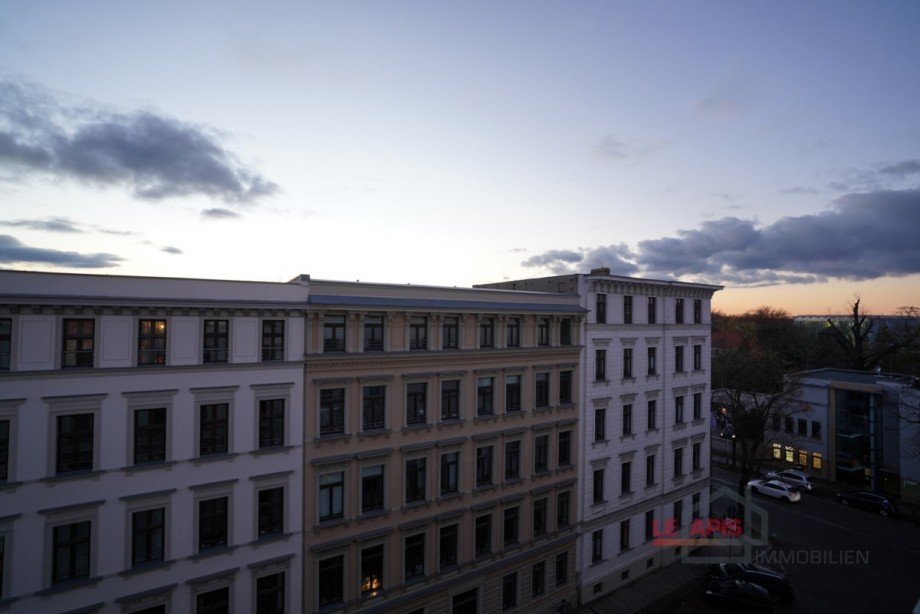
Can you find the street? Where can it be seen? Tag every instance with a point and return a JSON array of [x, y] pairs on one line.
[[838, 559]]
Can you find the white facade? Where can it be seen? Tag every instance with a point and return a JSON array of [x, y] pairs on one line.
[[106, 508]]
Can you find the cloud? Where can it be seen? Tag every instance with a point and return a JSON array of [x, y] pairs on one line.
[[12, 251], [169, 249], [51, 224], [798, 190], [219, 214], [153, 156], [729, 98], [613, 148], [900, 169], [861, 236]]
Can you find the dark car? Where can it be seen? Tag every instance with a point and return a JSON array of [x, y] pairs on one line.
[[773, 580], [868, 500], [739, 594]]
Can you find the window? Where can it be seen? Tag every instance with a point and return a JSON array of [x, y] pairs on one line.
[[448, 543], [450, 333], [74, 443], [565, 331], [695, 505], [71, 551], [4, 468], [679, 513], [416, 396], [272, 340], [650, 470], [512, 460], [543, 331], [541, 453], [271, 511], [816, 429], [679, 359], [271, 423], [513, 333], [803, 427], [332, 411], [697, 357], [372, 488], [787, 424], [538, 579], [373, 333], [652, 361], [627, 363], [415, 479], [418, 333], [77, 346], [216, 340], [565, 387], [151, 342], [147, 536], [649, 524], [512, 393], [775, 419], [803, 457], [334, 333], [625, 477], [331, 495], [816, 460], [213, 429], [597, 546], [541, 390], [484, 466], [678, 410], [600, 365], [697, 311], [539, 516], [466, 602], [213, 602], [149, 435], [697, 405], [415, 557], [450, 472], [373, 407], [598, 486], [600, 424], [652, 418], [562, 568], [652, 309], [627, 310], [212, 523], [450, 400], [562, 509], [509, 591], [678, 462], [6, 339], [487, 333], [485, 396], [627, 420], [270, 594], [483, 535], [512, 520], [564, 452], [624, 535], [679, 311], [600, 308], [330, 582], [371, 570]]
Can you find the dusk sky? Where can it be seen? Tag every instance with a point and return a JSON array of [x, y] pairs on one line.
[[771, 147]]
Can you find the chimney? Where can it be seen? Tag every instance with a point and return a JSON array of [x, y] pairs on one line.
[[601, 271]]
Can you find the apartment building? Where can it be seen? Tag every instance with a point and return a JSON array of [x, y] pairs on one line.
[[441, 447], [151, 437], [644, 428]]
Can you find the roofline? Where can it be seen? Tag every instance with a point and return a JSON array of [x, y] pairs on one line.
[[157, 277], [374, 284]]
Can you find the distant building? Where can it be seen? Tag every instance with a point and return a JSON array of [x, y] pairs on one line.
[[645, 422]]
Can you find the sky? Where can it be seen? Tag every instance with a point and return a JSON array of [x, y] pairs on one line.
[[769, 147]]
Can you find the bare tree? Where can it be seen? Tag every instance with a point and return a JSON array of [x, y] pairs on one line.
[[857, 341]]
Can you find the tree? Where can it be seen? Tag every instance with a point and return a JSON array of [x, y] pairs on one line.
[[864, 350]]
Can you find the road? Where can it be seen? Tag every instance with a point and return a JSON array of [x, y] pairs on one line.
[[839, 559]]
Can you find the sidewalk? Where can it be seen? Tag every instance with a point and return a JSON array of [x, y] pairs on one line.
[[651, 593]]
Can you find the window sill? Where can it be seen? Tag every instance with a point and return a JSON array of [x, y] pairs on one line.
[[210, 552], [67, 585], [330, 523], [678, 480], [453, 421], [478, 418], [649, 487], [145, 567], [542, 409], [75, 475], [484, 488], [628, 379], [148, 466], [601, 382], [697, 422], [564, 468], [511, 548], [599, 443], [449, 496], [415, 505], [333, 437], [416, 426], [371, 514], [372, 433], [627, 496], [651, 431], [271, 450], [214, 457], [627, 437], [566, 405], [697, 473], [512, 481], [598, 504], [595, 563], [541, 473], [9, 485], [679, 426], [270, 539]]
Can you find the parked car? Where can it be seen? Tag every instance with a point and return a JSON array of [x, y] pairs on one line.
[[746, 596], [774, 580], [868, 500], [776, 489], [793, 477]]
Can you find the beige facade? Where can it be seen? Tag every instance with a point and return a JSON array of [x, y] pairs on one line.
[[441, 449]]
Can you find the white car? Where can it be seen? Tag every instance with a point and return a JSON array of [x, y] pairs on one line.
[[793, 477], [776, 489]]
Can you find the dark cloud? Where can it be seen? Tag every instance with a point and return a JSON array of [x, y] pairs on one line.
[[51, 224], [861, 236], [219, 214], [169, 249], [907, 167], [12, 251], [153, 156]]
